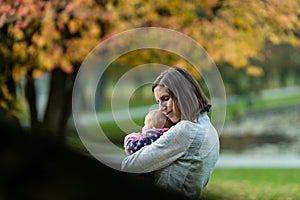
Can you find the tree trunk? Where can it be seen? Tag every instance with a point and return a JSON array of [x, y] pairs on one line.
[[59, 104], [30, 95], [53, 115], [283, 78], [297, 75], [67, 104]]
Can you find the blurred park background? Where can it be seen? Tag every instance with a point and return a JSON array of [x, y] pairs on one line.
[[255, 45]]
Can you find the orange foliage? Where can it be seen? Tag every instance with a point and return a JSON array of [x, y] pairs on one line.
[[44, 35]]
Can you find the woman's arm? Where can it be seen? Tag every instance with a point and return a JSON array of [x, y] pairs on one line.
[[168, 148]]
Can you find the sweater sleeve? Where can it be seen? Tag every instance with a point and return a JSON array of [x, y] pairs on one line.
[[168, 148]]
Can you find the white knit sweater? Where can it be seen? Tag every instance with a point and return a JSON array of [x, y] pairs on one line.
[[183, 158]]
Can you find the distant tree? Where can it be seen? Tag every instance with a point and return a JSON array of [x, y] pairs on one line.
[[279, 62]]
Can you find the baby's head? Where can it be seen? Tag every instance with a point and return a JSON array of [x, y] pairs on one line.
[[156, 119]]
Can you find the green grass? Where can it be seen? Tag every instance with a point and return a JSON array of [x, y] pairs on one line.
[[277, 102], [241, 107], [253, 183], [115, 133]]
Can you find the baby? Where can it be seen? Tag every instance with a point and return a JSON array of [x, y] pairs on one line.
[[156, 123]]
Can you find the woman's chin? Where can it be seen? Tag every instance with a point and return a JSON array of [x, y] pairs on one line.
[[174, 118]]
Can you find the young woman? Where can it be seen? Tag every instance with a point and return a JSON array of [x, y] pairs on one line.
[[184, 157]]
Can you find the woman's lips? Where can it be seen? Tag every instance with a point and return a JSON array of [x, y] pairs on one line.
[[168, 113]]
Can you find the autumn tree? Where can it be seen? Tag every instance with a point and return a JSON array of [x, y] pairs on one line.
[[52, 36], [55, 37]]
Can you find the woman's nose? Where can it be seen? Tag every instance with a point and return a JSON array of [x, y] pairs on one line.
[[162, 107]]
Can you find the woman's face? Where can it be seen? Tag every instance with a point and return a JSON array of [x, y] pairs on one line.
[[166, 103]]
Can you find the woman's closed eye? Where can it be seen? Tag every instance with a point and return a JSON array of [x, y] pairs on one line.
[[164, 98]]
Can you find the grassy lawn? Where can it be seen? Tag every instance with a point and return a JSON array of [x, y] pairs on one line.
[[253, 183], [241, 107]]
